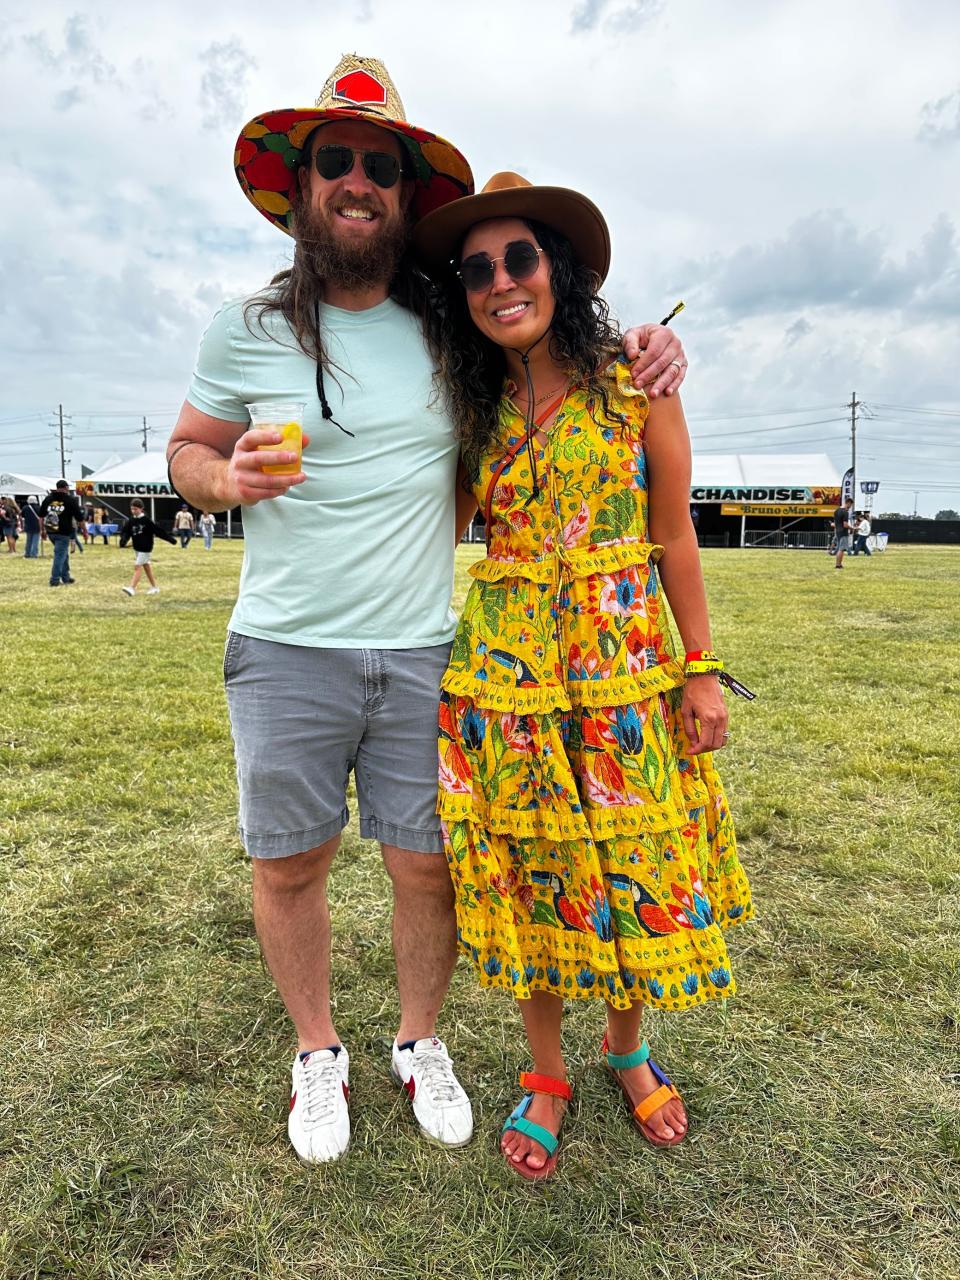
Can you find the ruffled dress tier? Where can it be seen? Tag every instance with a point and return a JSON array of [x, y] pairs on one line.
[[591, 855]]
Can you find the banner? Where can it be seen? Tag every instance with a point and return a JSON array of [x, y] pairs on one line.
[[754, 509], [846, 489]]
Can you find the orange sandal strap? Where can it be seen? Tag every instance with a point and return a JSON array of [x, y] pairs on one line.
[[645, 1109], [532, 1082]]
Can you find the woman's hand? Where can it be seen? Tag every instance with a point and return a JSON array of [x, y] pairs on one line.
[[704, 714]]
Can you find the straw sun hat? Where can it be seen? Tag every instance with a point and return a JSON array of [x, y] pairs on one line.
[[507, 195], [268, 149]]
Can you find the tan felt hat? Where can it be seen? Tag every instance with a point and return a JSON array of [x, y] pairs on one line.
[[507, 195]]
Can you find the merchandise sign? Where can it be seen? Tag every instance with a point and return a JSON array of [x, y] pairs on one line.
[[818, 497], [152, 489]]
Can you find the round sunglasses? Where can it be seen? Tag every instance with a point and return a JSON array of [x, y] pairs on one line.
[[521, 260], [334, 161]]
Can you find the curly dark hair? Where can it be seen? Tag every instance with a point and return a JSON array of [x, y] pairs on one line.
[[471, 367]]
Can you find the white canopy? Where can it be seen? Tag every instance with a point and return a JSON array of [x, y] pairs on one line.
[[783, 470], [12, 483]]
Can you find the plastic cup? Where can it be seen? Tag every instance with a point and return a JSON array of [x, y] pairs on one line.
[[285, 416]]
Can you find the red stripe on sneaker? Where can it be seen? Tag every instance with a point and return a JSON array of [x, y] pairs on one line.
[[292, 1100], [411, 1087], [346, 1090]]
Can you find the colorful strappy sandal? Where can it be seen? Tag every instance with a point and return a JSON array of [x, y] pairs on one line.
[[517, 1121], [641, 1113]]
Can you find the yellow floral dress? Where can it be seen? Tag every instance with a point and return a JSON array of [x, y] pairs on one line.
[[590, 854]]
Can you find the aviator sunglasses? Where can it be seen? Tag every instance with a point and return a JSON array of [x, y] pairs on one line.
[[520, 261], [334, 161]]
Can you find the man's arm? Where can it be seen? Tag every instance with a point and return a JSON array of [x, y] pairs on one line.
[[223, 468], [658, 363]]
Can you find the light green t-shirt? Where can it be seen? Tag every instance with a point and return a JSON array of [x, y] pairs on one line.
[[361, 554]]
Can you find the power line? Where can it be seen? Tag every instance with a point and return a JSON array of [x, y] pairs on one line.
[[764, 413], [760, 431]]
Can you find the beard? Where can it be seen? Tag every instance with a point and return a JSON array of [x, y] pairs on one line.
[[351, 264]]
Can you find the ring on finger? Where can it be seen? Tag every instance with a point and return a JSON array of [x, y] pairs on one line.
[[678, 363]]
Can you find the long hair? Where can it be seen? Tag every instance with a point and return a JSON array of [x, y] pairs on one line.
[[471, 367]]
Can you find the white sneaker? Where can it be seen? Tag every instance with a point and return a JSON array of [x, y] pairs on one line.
[[439, 1102], [154, 591], [319, 1123], [127, 591]]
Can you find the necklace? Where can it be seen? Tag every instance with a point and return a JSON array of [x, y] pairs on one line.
[[549, 395]]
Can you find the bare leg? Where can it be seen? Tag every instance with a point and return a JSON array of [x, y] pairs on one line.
[[424, 936], [137, 574], [293, 924], [541, 1014], [149, 572], [623, 1036]]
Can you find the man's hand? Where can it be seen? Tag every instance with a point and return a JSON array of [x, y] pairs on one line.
[[658, 363], [246, 482]]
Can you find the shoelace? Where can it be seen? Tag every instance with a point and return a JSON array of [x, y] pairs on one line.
[[436, 1072], [320, 1083]]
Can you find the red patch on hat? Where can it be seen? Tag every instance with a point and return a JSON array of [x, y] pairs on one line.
[[360, 86]]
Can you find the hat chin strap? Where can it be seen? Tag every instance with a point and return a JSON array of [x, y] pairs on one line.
[[528, 426]]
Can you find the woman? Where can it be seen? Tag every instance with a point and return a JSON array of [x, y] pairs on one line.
[[9, 523], [586, 830], [208, 526]]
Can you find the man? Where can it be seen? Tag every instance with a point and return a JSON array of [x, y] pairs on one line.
[[343, 623], [842, 528], [58, 511], [31, 527]]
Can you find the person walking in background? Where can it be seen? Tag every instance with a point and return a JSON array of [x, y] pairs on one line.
[[100, 519], [9, 523], [60, 511], [183, 524], [843, 523], [141, 530], [861, 534], [208, 527], [30, 515]]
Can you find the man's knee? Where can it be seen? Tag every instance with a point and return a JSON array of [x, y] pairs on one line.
[[296, 873], [418, 872]]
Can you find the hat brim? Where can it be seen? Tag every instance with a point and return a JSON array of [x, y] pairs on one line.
[[437, 237], [267, 157]]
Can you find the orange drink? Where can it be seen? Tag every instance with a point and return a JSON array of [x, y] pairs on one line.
[[287, 419]]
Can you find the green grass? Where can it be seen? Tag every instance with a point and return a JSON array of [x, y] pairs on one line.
[[144, 1061]]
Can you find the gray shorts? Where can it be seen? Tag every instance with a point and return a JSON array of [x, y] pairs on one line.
[[843, 543], [303, 718]]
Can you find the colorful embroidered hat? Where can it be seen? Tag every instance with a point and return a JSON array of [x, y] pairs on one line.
[[268, 150], [508, 195]]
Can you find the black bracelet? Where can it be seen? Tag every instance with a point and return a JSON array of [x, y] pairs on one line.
[[180, 446]]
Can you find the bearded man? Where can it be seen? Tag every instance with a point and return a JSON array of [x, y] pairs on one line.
[[343, 623]]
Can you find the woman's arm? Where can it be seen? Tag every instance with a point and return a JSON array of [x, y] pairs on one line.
[[667, 449], [466, 505]]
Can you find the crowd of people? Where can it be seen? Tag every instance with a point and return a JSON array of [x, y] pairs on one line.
[[68, 526]]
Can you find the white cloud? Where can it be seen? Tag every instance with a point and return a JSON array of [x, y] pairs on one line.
[[761, 161]]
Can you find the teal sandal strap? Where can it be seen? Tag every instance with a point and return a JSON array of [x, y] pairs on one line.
[[534, 1131], [624, 1061]]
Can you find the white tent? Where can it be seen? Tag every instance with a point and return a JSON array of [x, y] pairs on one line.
[[13, 483], [758, 470]]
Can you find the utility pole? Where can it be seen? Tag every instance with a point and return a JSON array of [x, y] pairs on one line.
[[63, 456], [144, 435], [853, 406]]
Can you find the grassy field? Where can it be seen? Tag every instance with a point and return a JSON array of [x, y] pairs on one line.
[[144, 1058]]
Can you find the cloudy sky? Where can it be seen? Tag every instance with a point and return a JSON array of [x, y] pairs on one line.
[[790, 169]]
